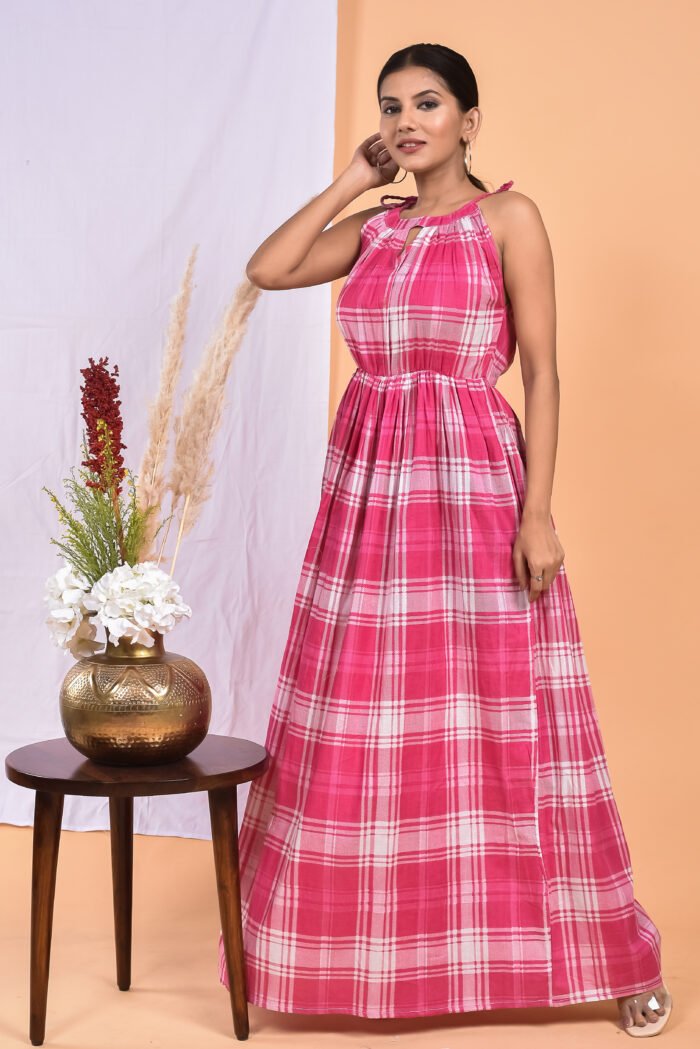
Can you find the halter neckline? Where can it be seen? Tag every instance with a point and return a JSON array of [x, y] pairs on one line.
[[394, 218]]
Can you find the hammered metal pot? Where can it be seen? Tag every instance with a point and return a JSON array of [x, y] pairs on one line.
[[133, 705]]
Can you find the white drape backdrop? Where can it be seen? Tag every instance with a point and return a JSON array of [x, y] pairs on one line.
[[130, 132]]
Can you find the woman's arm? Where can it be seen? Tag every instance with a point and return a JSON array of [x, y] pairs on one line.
[[302, 252], [529, 277]]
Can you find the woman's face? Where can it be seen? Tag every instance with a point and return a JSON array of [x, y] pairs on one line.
[[415, 104]]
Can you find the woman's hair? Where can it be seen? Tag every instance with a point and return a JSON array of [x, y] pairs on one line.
[[452, 67]]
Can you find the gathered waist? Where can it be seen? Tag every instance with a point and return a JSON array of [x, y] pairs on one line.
[[409, 378]]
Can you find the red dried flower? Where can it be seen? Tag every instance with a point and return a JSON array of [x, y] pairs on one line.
[[104, 425]]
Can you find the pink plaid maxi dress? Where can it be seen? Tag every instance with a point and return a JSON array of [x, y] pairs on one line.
[[436, 831]]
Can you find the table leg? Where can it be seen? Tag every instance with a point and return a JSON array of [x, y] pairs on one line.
[[224, 832], [121, 823], [48, 811]]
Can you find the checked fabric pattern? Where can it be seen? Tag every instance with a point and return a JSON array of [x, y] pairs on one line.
[[436, 831]]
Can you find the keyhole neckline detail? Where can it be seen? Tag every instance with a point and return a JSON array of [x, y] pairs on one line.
[[393, 216]]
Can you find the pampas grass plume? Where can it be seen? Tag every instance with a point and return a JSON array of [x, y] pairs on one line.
[[151, 484], [196, 427]]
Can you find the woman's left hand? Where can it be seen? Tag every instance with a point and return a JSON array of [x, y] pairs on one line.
[[536, 551]]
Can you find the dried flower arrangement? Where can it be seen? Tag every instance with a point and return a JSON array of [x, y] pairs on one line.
[[111, 571]]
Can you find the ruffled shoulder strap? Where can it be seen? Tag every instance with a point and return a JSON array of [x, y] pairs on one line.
[[506, 185], [385, 201]]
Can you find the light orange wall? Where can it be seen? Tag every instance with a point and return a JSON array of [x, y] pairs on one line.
[[592, 110]]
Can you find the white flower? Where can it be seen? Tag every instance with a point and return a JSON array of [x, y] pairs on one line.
[[67, 586], [132, 600], [64, 595], [129, 602]]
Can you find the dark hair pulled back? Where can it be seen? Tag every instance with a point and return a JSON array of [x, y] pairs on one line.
[[452, 67]]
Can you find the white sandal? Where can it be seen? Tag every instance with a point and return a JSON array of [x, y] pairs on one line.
[[655, 1027]]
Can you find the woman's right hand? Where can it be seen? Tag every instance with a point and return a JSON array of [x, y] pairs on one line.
[[364, 161]]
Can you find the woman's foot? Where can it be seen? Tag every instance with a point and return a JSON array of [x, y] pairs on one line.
[[645, 1009]]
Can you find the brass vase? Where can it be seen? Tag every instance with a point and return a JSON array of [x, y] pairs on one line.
[[134, 705]]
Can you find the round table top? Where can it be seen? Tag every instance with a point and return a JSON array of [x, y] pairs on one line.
[[54, 765]]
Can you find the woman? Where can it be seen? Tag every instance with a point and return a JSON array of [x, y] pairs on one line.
[[436, 831]]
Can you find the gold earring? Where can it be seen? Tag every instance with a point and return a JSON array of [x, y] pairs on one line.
[[395, 180], [468, 153], [378, 166]]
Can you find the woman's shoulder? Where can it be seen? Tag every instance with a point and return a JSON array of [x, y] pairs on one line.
[[512, 216], [362, 220], [519, 205], [370, 214]]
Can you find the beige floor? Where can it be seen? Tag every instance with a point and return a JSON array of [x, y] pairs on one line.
[[176, 999]]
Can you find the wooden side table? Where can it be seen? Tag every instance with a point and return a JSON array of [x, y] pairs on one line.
[[54, 768]]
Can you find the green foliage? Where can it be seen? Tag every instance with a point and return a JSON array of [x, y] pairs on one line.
[[91, 533]]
